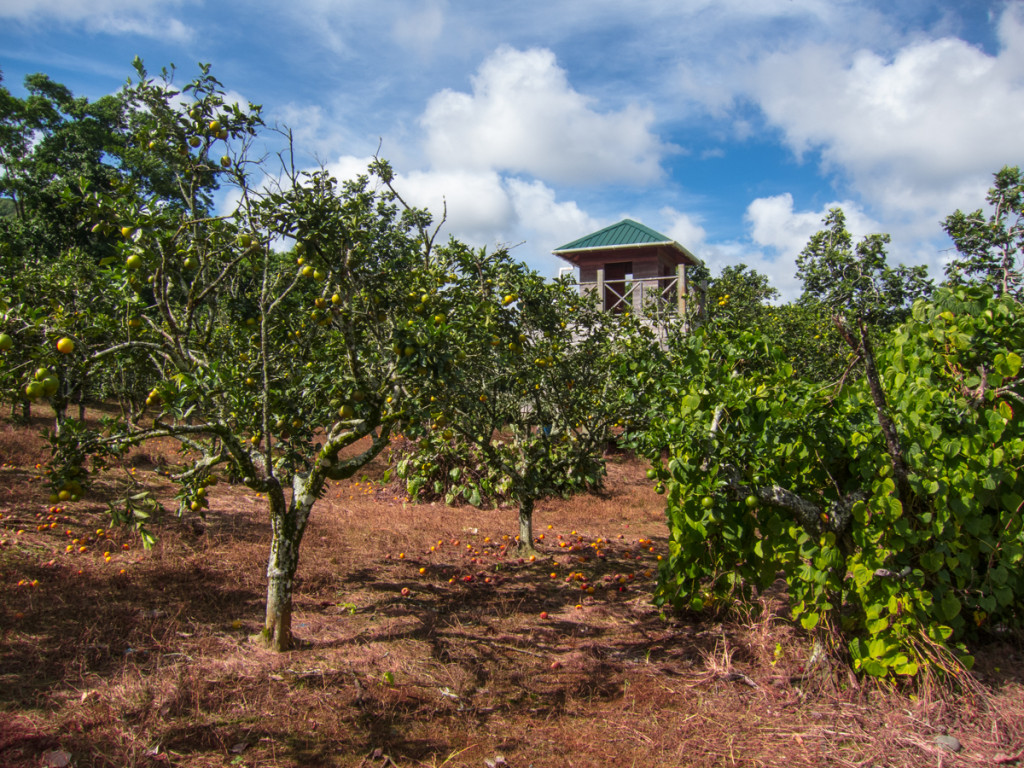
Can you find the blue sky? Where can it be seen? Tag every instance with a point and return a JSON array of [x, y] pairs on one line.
[[729, 125]]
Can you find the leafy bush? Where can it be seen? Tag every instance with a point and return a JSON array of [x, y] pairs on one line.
[[904, 551]]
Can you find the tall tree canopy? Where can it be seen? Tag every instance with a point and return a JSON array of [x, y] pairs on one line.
[[991, 248]]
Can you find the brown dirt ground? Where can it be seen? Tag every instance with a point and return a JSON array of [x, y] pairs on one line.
[[142, 658]]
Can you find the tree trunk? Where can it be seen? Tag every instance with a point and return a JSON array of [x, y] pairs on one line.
[[281, 567], [889, 432], [277, 627], [526, 525], [288, 522]]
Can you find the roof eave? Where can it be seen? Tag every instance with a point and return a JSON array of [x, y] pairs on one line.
[[567, 252]]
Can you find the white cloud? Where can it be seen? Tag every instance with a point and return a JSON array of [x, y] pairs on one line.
[[777, 234], [523, 116], [115, 17], [348, 167], [550, 222], [774, 224], [478, 206], [685, 230], [328, 22], [485, 209], [909, 131]]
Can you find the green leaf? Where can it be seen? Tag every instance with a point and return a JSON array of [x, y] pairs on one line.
[[879, 625], [877, 648], [950, 606], [1013, 364], [999, 575], [874, 667], [908, 668]]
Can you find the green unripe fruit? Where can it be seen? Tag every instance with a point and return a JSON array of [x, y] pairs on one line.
[[6, 342], [751, 501], [707, 502]]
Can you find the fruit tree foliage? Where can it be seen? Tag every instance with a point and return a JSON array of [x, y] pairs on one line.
[[537, 396], [274, 335]]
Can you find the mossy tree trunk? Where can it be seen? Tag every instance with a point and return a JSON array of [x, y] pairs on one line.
[[288, 523]]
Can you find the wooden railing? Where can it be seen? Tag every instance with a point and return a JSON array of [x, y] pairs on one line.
[[657, 298]]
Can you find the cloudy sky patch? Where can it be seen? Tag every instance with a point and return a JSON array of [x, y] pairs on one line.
[[729, 125]]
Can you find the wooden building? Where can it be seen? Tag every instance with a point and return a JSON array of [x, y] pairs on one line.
[[632, 268]]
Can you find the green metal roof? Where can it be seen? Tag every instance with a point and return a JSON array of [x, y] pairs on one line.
[[626, 232]]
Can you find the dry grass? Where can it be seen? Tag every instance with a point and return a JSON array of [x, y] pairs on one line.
[[145, 660]]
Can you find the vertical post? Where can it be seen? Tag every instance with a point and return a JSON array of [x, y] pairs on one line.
[[681, 289], [600, 290]]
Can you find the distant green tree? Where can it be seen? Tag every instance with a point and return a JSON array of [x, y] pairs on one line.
[[52, 143], [52, 146], [856, 284], [991, 248], [741, 299]]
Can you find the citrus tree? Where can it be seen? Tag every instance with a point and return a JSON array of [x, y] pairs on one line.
[[536, 399], [51, 145], [740, 294], [275, 333]]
